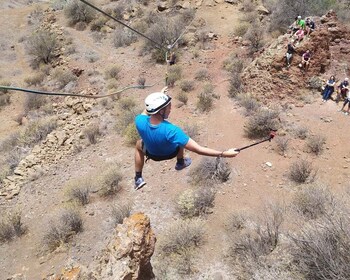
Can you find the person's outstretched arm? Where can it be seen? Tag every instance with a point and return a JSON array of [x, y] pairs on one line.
[[193, 146]]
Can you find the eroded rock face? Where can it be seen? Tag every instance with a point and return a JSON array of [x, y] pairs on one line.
[[267, 76], [129, 253]]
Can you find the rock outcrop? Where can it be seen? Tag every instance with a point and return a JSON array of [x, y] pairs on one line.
[[268, 78]]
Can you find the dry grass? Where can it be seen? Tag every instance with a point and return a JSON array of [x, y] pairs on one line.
[[61, 230], [76, 11], [113, 72], [210, 171], [301, 132], [37, 131], [124, 37], [92, 132], [63, 77], [109, 181], [120, 211], [187, 85], [282, 145], [35, 79], [249, 103], [11, 226], [302, 171], [34, 102], [192, 203], [315, 144], [261, 123], [313, 201], [79, 190], [202, 75]]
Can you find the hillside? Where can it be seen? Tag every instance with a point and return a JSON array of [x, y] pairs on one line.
[[52, 145]]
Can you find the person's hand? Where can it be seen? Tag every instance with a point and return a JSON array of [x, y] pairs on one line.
[[164, 90], [230, 153]]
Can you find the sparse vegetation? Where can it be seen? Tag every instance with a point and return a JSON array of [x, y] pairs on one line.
[[35, 79], [61, 230], [282, 144], [63, 77], [131, 134], [11, 226], [120, 211], [33, 102], [315, 144], [42, 45], [113, 72], [195, 203], [314, 201], [191, 130], [79, 190], [209, 171], [92, 132], [248, 102], [261, 123], [124, 37], [302, 171], [36, 131], [187, 85], [236, 222], [182, 97], [241, 29], [301, 132], [174, 75], [202, 75], [76, 11], [109, 181]]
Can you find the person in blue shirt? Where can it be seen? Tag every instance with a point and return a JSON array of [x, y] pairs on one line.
[[162, 140]]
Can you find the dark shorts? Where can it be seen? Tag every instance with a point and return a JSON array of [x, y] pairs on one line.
[[158, 158]]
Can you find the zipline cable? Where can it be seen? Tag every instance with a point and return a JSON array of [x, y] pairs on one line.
[[73, 94], [159, 46]]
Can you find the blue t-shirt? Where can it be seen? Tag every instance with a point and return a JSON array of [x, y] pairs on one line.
[[162, 139]]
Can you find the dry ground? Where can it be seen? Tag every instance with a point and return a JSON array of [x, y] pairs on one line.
[[252, 183]]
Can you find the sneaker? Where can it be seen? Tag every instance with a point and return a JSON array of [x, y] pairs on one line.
[[139, 183], [187, 162], [346, 113]]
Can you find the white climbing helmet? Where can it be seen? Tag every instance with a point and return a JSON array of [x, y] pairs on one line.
[[156, 101]]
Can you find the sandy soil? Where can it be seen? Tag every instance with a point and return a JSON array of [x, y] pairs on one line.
[[252, 184]]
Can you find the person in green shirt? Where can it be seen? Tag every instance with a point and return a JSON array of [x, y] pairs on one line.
[[301, 23]]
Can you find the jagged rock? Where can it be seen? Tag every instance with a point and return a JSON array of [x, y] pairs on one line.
[[128, 254], [162, 6], [262, 10], [232, 1]]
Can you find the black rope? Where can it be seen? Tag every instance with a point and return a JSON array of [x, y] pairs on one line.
[[73, 94], [122, 23]]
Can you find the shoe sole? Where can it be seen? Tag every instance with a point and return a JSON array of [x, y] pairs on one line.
[[140, 186]]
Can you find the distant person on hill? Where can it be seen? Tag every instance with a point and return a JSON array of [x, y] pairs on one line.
[[162, 140], [310, 26], [343, 90], [305, 60], [346, 101], [299, 36], [329, 89], [289, 53], [301, 23]]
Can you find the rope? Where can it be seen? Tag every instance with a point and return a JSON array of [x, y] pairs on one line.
[[73, 94], [159, 46]]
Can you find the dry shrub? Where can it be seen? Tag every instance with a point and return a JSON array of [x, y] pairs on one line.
[[210, 171], [174, 75], [98, 23], [236, 222], [182, 97], [61, 230], [79, 190], [235, 85], [248, 245], [127, 104], [37, 131], [63, 77], [187, 85], [35, 79], [241, 29], [4, 99], [113, 72], [11, 141], [234, 64], [182, 235], [109, 181], [249, 103], [202, 74], [195, 203], [261, 123], [127, 112], [205, 102], [124, 37], [77, 11], [302, 171], [11, 226], [131, 134], [141, 81], [255, 34], [120, 211], [315, 144], [42, 45], [313, 201], [92, 132], [321, 249], [301, 132], [34, 102], [191, 130], [282, 144]]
